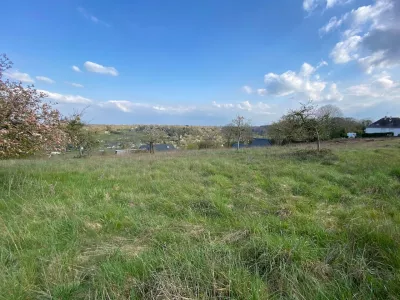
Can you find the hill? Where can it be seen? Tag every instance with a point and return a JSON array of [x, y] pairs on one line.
[[255, 224]]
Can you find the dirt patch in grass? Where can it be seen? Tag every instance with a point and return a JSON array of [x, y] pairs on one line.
[[127, 247], [324, 156]]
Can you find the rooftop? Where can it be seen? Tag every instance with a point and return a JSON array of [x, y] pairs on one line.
[[386, 122]]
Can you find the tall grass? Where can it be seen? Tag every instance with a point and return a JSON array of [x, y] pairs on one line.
[[270, 223]]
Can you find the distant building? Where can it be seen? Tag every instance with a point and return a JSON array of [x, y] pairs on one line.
[[386, 124], [351, 135], [159, 147], [257, 142]]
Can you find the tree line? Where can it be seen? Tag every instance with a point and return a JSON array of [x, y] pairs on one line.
[[28, 125], [308, 123]]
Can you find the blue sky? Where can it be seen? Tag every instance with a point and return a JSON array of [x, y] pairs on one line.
[[204, 62]]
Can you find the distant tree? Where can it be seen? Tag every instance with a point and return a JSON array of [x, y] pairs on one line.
[[228, 134], [241, 130], [78, 134], [282, 131], [153, 135], [331, 114], [179, 133], [309, 121], [329, 110], [27, 124], [365, 123]]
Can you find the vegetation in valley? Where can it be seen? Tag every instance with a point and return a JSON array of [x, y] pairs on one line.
[[273, 223]]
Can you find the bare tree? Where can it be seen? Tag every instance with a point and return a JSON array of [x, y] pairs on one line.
[[310, 121], [241, 130], [331, 115]]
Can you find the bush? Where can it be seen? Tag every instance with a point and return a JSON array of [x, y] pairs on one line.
[[206, 144], [193, 146]]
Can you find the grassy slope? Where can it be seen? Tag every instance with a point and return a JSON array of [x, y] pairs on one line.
[[263, 223]]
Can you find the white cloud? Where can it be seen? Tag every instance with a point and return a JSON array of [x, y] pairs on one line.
[[245, 105], [19, 76], [310, 5], [385, 81], [75, 84], [345, 51], [123, 105], [372, 36], [223, 105], [332, 3], [261, 92], [303, 84], [129, 106], [173, 109], [380, 88], [247, 89], [362, 90], [306, 70], [76, 69], [75, 99], [255, 108], [91, 17], [45, 79], [334, 94], [333, 23], [96, 68], [322, 64]]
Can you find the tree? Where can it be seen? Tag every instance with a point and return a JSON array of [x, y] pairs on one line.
[[27, 125], [241, 130], [153, 135], [282, 131], [309, 121], [79, 136], [228, 134], [333, 116]]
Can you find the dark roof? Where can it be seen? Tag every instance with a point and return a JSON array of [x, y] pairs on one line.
[[386, 122], [257, 142], [159, 147]]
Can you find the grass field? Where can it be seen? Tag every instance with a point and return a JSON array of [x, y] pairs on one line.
[[275, 223]]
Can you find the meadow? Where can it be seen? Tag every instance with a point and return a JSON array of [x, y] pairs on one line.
[[272, 223]]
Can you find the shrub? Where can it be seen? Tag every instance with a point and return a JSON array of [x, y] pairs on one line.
[[193, 146]]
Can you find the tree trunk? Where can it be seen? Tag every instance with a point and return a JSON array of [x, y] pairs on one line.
[[238, 145], [318, 141], [151, 147]]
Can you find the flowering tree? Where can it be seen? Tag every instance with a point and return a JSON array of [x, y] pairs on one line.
[[27, 125]]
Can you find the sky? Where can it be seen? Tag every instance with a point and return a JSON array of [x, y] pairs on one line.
[[204, 62]]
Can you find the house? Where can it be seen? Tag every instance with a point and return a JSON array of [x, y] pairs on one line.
[[122, 152], [158, 147], [386, 124], [257, 142]]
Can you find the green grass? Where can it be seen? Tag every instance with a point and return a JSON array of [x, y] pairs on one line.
[[270, 223]]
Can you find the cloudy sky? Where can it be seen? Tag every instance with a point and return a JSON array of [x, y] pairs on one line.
[[203, 62]]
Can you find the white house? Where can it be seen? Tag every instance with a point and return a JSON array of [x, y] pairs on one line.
[[386, 124]]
